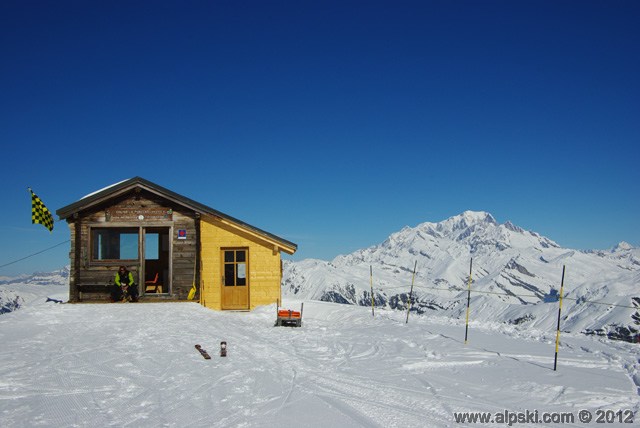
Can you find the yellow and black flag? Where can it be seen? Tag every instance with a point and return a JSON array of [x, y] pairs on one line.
[[40, 213]]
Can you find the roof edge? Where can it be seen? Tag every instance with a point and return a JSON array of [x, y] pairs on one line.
[[125, 185]]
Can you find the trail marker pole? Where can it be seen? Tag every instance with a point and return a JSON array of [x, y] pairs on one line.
[[466, 329], [371, 283], [411, 292], [555, 360]]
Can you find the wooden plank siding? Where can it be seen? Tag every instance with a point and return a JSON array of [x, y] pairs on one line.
[[264, 269], [92, 278]]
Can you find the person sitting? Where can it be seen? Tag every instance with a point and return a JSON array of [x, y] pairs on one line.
[[124, 286]]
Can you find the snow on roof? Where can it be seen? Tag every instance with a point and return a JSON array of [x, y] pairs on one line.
[[104, 188]]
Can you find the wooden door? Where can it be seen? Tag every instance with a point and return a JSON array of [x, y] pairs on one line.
[[235, 278]]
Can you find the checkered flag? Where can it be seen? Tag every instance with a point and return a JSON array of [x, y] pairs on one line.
[[40, 213]]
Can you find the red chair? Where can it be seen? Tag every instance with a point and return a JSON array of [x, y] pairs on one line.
[[153, 286]]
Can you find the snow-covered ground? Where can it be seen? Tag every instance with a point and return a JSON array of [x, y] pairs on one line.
[[100, 365]]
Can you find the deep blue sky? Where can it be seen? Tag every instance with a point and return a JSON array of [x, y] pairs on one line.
[[331, 124]]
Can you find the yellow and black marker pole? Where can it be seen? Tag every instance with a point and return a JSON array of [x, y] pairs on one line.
[[555, 360], [373, 314], [466, 329], [411, 292]]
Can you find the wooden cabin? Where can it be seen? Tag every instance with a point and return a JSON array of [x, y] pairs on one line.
[[170, 243]]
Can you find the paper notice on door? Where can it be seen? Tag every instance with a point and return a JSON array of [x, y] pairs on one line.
[[242, 270]]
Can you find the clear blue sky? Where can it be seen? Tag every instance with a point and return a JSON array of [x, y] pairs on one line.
[[330, 124]]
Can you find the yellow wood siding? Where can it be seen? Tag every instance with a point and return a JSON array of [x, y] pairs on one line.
[[263, 268]]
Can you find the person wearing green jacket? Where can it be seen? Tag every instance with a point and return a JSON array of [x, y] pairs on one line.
[[124, 285]]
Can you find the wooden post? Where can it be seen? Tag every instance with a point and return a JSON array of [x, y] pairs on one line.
[[411, 292], [555, 360], [466, 329], [373, 314]]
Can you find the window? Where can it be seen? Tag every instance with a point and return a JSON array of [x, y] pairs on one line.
[[114, 243], [235, 268], [151, 249]]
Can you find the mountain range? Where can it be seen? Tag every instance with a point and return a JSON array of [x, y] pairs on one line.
[[516, 277]]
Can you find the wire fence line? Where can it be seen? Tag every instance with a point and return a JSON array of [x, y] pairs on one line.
[[34, 254], [555, 297]]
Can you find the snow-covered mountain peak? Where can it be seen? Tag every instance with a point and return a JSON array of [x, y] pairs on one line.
[[479, 230], [466, 234], [622, 246], [466, 220]]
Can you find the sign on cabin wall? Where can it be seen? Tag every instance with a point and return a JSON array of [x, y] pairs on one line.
[[132, 212]]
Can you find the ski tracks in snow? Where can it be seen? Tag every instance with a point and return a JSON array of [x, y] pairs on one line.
[[347, 376], [135, 365]]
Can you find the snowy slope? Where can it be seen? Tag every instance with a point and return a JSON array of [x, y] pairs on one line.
[[516, 274], [88, 365], [15, 292]]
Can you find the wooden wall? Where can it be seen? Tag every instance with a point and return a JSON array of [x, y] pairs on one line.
[[90, 279], [265, 273]]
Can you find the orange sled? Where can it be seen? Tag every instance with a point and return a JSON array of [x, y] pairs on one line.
[[287, 317]]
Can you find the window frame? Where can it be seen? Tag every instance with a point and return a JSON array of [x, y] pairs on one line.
[[93, 237]]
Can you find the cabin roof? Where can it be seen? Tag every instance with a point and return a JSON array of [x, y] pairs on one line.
[[125, 186]]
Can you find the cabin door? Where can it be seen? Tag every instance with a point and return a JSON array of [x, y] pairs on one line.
[[235, 278], [156, 260]]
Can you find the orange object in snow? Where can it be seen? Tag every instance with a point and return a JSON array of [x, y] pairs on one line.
[[288, 313], [287, 317]]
